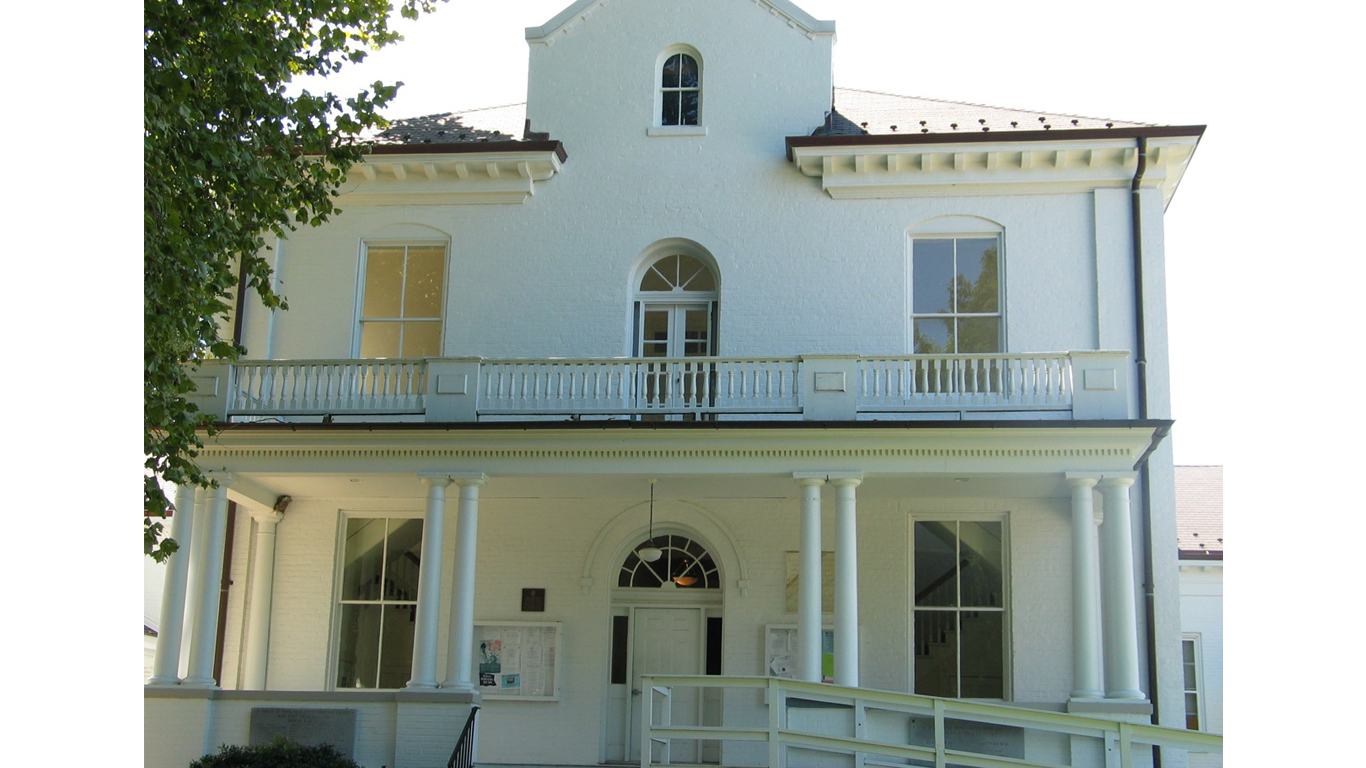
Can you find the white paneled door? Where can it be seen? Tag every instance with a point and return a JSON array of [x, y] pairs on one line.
[[666, 641]]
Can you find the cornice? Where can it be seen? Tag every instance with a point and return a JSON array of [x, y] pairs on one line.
[[506, 175], [711, 451], [863, 167]]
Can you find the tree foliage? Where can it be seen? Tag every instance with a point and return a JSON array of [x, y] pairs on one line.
[[229, 157]]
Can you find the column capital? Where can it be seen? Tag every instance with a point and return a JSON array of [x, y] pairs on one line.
[[264, 516], [809, 479], [437, 479], [1118, 479], [223, 477], [1081, 479], [465, 479], [844, 479]]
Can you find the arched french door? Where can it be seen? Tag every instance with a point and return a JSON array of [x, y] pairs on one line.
[[666, 619], [675, 319]]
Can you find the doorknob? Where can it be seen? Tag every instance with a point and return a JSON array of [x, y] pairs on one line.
[[635, 691]]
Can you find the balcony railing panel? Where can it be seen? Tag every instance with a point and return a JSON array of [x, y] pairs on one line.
[[962, 382], [328, 386], [840, 387], [640, 386]]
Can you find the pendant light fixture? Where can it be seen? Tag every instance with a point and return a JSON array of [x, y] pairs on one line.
[[650, 553]]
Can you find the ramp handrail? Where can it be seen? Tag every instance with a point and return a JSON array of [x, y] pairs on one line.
[[779, 736]]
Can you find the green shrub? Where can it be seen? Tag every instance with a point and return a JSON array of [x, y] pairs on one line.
[[279, 753]]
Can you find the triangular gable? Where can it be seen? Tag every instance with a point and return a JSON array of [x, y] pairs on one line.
[[582, 9]]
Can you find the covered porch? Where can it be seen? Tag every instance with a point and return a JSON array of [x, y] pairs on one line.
[[811, 528]]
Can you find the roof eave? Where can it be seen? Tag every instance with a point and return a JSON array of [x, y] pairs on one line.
[[1077, 134]]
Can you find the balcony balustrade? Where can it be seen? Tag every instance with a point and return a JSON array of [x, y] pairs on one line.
[[1079, 385]]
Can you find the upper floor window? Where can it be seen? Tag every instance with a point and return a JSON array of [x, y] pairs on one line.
[[956, 295], [680, 90], [402, 296]]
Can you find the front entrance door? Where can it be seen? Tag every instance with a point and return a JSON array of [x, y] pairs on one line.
[[666, 641]]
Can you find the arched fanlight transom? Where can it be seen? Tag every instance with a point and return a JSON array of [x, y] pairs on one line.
[[684, 563], [678, 273]]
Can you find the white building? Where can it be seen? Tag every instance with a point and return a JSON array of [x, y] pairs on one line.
[[1200, 537], [884, 366]]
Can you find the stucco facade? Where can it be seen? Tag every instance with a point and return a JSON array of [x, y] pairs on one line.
[[806, 242]]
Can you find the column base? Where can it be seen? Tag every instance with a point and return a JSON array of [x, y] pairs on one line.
[[162, 682], [421, 684], [1089, 696], [199, 682], [1111, 708]]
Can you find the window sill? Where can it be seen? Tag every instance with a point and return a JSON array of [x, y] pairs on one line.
[[676, 130]]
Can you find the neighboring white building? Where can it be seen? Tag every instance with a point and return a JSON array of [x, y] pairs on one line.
[[1200, 532], [873, 375]]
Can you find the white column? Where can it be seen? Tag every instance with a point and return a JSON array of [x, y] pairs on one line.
[[257, 645], [208, 578], [1120, 609], [846, 580], [196, 556], [429, 584], [809, 594], [461, 655], [1087, 680], [166, 663]]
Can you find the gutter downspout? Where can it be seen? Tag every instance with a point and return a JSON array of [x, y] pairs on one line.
[[1145, 485]]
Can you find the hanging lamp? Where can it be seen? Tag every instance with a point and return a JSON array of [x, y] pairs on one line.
[[649, 552]]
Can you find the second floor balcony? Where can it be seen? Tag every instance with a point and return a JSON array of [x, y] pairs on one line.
[[1061, 385]]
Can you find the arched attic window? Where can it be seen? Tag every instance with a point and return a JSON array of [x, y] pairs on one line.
[[680, 88], [684, 563]]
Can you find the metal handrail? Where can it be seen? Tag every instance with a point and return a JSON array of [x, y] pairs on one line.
[[463, 754]]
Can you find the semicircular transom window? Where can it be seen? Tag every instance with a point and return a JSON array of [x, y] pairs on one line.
[[684, 563], [678, 273]]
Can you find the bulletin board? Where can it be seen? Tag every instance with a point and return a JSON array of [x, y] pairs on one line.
[[517, 660], [781, 652]]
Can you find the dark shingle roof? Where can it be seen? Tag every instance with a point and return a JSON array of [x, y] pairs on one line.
[[502, 123], [856, 113], [870, 112], [1200, 512]]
